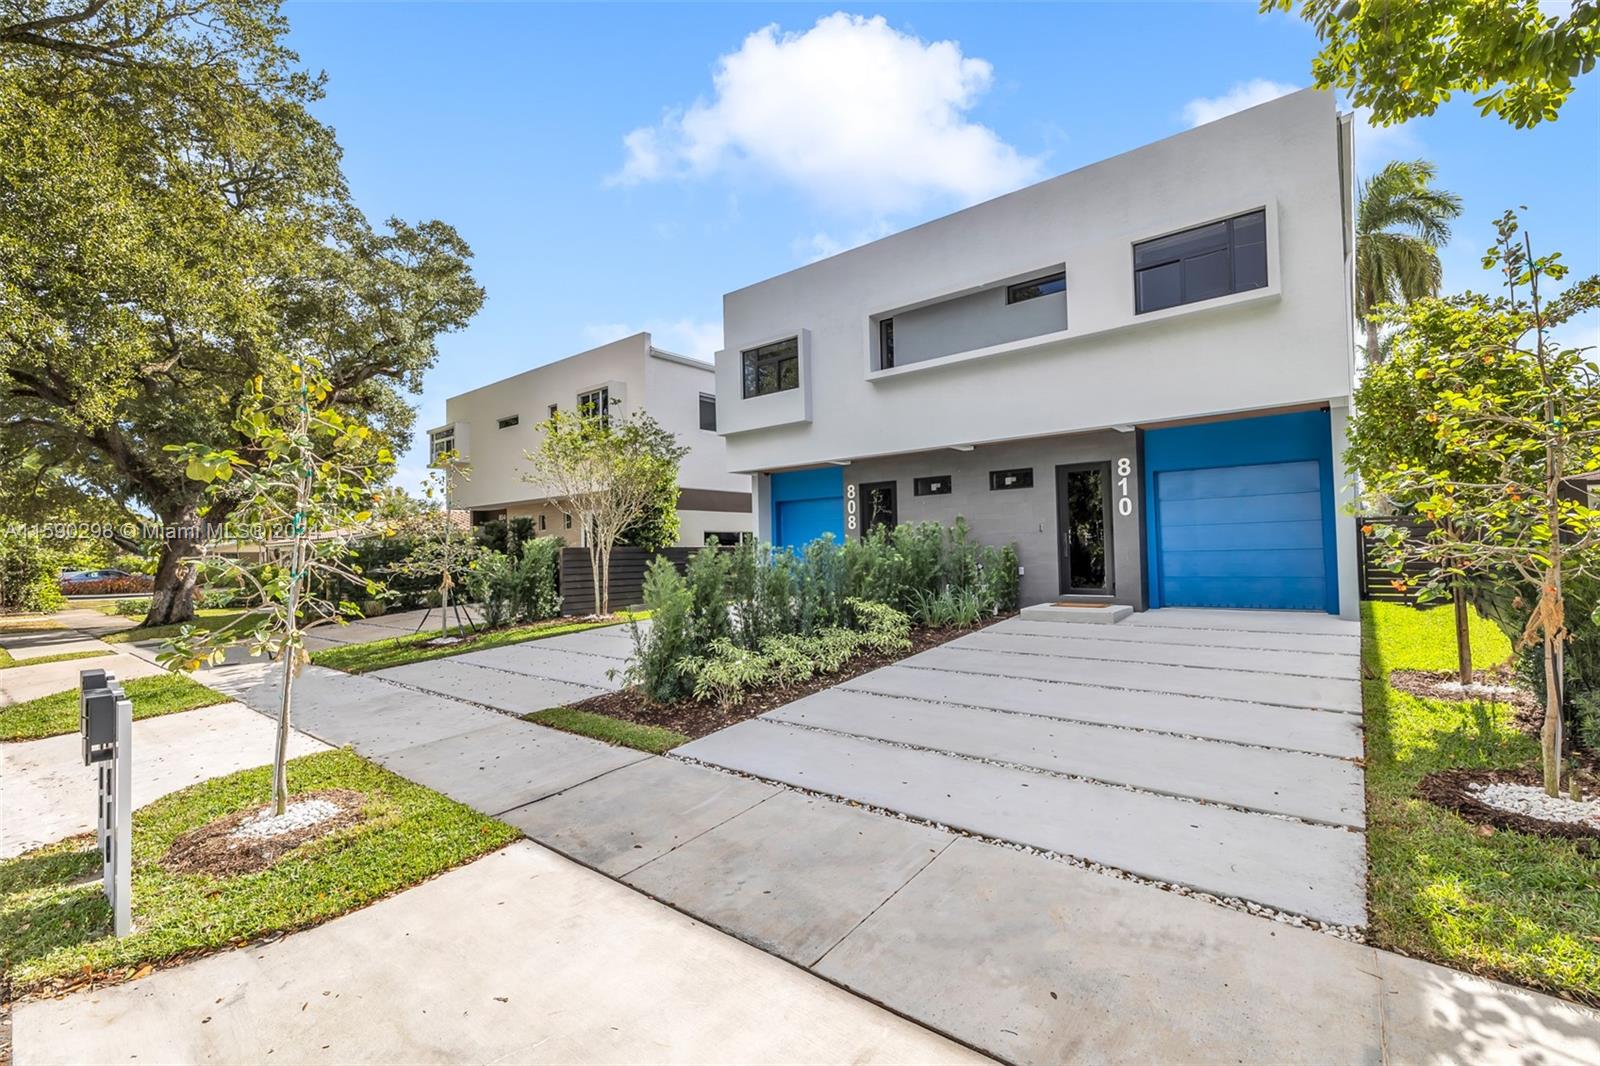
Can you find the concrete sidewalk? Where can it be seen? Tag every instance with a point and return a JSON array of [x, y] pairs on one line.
[[521, 956]]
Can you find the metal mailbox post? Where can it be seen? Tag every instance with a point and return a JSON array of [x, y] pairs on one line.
[[105, 719]]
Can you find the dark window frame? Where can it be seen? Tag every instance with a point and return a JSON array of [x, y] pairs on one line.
[[705, 398], [1023, 477], [869, 522], [885, 343], [773, 358], [1063, 552], [553, 409], [926, 486], [507, 422], [1043, 285], [1229, 243]]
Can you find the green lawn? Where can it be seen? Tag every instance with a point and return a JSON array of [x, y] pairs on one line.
[[651, 738], [1496, 902], [57, 713], [205, 618], [408, 648], [29, 624], [54, 926], [7, 662]]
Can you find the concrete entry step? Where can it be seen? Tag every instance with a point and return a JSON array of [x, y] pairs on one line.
[[1101, 614], [1253, 660], [1313, 787], [1290, 728], [1313, 870], [1315, 692], [1331, 644]]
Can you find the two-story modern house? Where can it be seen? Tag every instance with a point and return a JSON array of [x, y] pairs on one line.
[[494, 427], [1139, 372]]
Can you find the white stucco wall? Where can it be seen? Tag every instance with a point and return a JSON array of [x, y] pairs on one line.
[[1286, 344]]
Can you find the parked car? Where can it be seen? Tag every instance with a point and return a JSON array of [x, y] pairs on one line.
[[78, 577], [106, 582]]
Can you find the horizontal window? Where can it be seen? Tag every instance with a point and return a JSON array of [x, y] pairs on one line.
[[507, 423], [938, 485], [1011, 479], [708, 411], [1027, 290], [595, 404], [726, 540], [1201, 263], [439, 444], [772, 368]]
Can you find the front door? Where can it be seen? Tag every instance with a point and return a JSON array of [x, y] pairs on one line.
[[878, 507], [1083, 521]]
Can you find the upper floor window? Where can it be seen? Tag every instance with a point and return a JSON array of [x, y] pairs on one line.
[[595, 404], [1201, 263], [886, 344], [508, 421], [772, 367], [553, 410], [440, 443], [708, 411], [1027, 290]]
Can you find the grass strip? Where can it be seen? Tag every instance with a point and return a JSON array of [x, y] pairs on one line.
[[1495, 902], [55, 926], [651, 738], [211, 618], [57, 713], [412, 647], [7, 662]]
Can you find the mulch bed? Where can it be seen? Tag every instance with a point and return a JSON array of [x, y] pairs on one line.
[[1431, 684], [695, 719], [211, 849], [1451, 789]]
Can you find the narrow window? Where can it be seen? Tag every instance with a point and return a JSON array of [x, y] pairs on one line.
[[569, 520], [878, 507], [886, 344], [541, 521], [1028, 290], [553, 410], [771, 368], [1011, 479], [937, 485], [507, 423], [708, 412], [1201, 263]]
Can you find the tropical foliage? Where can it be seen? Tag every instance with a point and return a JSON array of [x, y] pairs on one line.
[[1401, 222], [1403, 58]]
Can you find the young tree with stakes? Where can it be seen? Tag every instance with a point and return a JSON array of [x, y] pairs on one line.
[[604, 473], [1516, 420], [439, 553], [314, 480]]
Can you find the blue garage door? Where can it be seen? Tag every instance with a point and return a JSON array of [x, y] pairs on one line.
[[806, 504], [1242, 536]]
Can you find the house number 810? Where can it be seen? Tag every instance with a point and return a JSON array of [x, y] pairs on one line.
[[1124, 499]]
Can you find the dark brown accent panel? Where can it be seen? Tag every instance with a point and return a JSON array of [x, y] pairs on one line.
[[713, 500]]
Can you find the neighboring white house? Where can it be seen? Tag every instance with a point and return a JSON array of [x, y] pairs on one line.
[[494, 427], [1139, 372]]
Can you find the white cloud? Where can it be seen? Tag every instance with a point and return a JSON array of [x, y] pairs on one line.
[[1244, 94], [685, 336], [1375, 145], [821, 245], [852, 111]]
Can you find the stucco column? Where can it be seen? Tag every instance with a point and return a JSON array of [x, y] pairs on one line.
[[1344, 516]]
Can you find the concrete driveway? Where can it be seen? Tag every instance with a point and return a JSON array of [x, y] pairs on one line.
[[1211, 749]]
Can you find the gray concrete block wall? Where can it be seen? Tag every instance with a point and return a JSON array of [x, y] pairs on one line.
[[1024, 517]]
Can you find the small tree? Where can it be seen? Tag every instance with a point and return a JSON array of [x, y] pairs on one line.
[[604, 472], [1499, 490], [440, 552], [309, 484]]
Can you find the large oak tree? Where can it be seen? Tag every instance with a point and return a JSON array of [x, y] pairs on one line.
[[174, 225]]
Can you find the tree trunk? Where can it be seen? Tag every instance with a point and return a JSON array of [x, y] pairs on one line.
[[594, 574], [280, 752], [172, 593], [1550, 734], [1374, 353], [605, 580], [1463, 638]]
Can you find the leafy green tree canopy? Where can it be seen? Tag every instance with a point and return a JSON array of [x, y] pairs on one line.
[[1402, 219], [1403, 58]]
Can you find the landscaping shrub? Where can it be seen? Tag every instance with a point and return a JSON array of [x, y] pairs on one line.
[[659, 649], [503, 536], [111, 586], [136, 608], [1581, 657], [375, 557], [133, 564], [521, 587]]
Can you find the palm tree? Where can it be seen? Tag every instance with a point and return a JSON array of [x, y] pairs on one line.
[[1401, 220]]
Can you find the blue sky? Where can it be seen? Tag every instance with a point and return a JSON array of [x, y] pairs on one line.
[[620, 167]]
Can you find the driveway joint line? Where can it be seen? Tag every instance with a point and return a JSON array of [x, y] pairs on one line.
[[517, 715], [479, 666], [632, 762], [1063, 775], [885, 902], [1094, 631], [907, 664], [850, 686], [956, 644], [777, 791]]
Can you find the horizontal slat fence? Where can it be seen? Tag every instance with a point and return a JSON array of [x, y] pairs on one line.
[[627, 576], [1376, 577]]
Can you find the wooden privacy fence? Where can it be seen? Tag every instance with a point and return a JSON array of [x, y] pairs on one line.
[[627, 576], [1376, 577]]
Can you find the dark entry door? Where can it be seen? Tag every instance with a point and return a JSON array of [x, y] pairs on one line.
[[878, 506], [1083, 521]]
